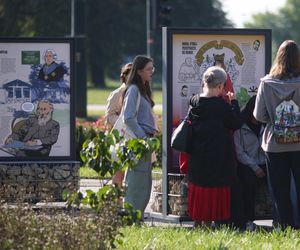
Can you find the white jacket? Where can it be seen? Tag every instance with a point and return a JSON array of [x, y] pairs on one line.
[[114, 106]]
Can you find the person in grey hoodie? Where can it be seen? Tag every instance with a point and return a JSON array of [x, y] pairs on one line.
[[251, 159], [138, 116], [282, 83]]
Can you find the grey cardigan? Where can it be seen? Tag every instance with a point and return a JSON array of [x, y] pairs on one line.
[[142, 122], [271, 93]]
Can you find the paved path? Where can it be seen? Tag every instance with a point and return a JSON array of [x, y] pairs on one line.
[[90, 184], [94, 185]]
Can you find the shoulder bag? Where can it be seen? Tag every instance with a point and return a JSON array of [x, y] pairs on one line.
[[182, 136], [123, 129]]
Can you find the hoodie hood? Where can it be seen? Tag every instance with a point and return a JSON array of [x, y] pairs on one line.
[[271, 92], [282, 88]]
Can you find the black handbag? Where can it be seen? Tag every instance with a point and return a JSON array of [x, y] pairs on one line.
[[181, 139]]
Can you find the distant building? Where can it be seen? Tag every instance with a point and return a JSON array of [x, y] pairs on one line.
[[17, 91]]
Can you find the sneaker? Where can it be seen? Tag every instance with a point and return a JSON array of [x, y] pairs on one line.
[[250, 226], [277, 229]]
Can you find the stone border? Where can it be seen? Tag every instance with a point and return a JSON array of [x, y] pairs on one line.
[[33, 182]]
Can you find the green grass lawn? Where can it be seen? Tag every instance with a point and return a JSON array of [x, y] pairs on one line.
[[99, 96], [95, 114], [174, 238]]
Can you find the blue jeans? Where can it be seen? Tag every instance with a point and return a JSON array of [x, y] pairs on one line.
[[138, 182]]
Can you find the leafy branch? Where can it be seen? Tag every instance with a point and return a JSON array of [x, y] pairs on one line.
[[108, 153]]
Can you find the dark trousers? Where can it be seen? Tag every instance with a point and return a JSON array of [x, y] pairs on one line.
[[237, 216], [280, 167], [249, 184]]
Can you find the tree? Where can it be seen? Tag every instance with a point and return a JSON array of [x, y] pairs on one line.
[[200, 14], [12, 16], [115, 30], [34, 18], [119, 32], [284, 24]]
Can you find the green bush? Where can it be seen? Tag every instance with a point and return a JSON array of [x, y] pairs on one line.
[[97, 152], [22, 228], [158, 152], [108, 153], [87, 130]]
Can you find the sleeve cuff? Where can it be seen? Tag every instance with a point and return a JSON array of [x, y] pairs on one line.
[[254, 167]]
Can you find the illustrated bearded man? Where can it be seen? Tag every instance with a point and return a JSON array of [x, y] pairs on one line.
[[39, 132]]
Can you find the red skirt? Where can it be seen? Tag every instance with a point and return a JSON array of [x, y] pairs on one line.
[[208, 204]]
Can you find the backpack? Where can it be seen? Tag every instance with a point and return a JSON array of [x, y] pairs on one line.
[[287, 123]]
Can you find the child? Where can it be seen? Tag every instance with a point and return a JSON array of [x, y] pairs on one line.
[[251, 159]]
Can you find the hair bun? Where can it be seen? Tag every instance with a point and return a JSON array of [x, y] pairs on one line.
[[209, 77], [214, 76]]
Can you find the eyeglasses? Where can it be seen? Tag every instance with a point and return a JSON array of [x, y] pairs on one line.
[[150, 69]]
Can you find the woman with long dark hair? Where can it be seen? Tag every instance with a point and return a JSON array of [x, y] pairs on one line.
[[138, 116], [277, 105]]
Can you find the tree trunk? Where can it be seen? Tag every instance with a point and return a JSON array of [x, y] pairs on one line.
[[97, 75], [96, 64]]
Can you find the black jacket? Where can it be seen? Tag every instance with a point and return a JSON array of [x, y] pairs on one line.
[[211, 162], [52, 73]]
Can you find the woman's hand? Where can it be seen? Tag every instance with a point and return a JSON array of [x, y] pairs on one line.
[[259, 173], [230, 95]]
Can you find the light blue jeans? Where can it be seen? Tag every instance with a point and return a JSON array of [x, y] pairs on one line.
[[138, 182]]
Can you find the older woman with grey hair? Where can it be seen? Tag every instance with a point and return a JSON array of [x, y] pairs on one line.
[[211, 162]]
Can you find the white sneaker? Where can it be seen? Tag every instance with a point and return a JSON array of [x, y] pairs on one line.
[[250, 226]]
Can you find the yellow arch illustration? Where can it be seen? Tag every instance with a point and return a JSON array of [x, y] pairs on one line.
[[239, 57]]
